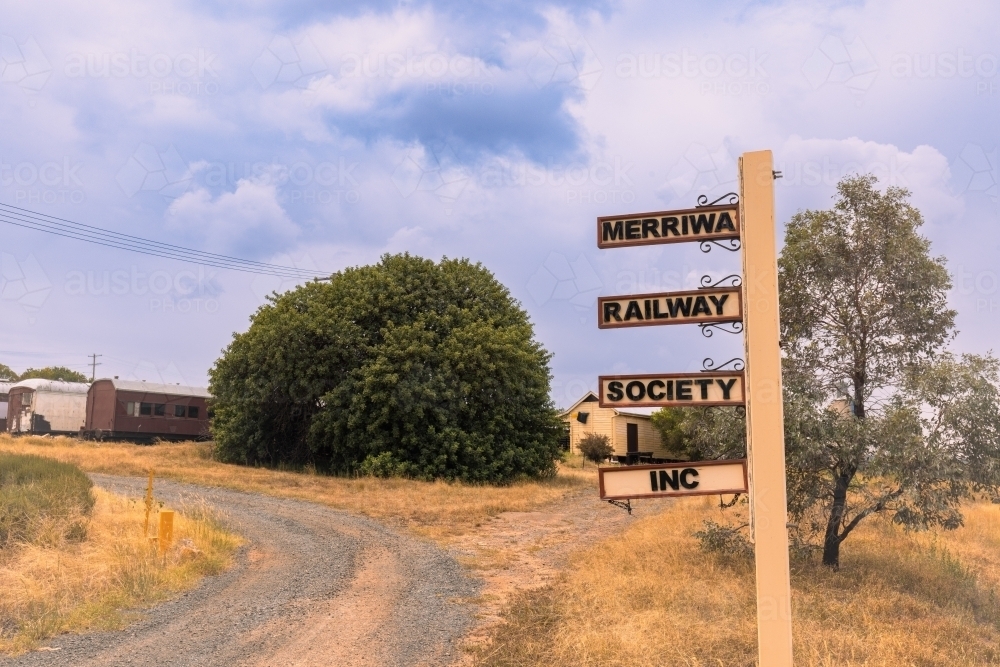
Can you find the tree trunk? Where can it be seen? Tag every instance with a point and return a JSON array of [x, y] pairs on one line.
[[831, 544]]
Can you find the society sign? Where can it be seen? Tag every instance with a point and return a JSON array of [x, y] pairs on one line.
[[696, 478], [672, 390]]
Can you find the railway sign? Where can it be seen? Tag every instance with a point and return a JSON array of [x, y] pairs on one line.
[[692, 307], [672, 390], [706, 223], [695, 478]]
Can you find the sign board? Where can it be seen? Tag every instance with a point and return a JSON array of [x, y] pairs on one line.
[[696, 478], [707, 223], [704, 305], [671, 390]]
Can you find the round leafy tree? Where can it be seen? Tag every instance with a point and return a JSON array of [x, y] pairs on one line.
[[407, 367]]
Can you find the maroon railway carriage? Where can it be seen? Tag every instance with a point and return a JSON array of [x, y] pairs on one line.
[[146, 411]]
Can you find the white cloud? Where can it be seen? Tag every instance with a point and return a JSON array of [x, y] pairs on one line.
[[248, 220], [811, 169], [679, 131]]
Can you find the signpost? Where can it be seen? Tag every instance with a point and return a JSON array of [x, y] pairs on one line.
[[765, 417], [703, 306], [673, 479], [707, 223], [672, 390], [754, 309]]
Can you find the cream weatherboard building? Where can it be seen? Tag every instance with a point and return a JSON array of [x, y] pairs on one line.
[[628, 430]]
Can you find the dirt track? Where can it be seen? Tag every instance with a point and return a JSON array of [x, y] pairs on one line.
[[312, 586]]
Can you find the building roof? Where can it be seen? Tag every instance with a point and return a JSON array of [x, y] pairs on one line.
[[637, 412], [158, 388], [631, 412], [53, 386], [566, 412]]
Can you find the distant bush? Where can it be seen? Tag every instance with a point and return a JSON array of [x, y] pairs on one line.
[[595, 447], [42, 500], [53, 373]]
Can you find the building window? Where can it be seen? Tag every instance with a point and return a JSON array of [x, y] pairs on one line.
[[582, 417], [145, 408], [193, 411], [159, 409], [180, 410]]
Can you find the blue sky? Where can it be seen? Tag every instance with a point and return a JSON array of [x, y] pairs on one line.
[[322, 137]]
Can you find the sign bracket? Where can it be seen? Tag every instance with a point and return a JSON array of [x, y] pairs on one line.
[[627, 505]]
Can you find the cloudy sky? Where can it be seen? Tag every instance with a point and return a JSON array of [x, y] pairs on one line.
[[321, 138]]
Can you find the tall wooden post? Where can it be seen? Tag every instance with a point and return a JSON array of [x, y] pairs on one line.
[[765, 425]]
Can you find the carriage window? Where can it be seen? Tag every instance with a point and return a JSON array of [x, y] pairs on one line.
[[130, 409], [193, 411], [159, 409], [180, 410], [145, 408]]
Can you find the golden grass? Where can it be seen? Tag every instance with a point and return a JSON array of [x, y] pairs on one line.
[[97, 584], [651, 596], [438, 510]]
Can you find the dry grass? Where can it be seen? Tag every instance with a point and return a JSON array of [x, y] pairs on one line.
[[438, 510], [651, 596], [97, 584]]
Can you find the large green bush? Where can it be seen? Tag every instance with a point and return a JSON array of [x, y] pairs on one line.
[[41, 495], [407, 367]]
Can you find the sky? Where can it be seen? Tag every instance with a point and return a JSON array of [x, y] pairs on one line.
[[323, 135]]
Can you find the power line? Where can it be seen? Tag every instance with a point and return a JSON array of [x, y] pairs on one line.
[[20, 217], [79, 231]]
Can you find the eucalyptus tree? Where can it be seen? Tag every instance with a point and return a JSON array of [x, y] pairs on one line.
[[879, 418]]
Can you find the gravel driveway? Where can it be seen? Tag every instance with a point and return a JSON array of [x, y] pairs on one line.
[[312, 586]]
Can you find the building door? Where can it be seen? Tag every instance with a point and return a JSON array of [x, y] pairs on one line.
[[631, 438]]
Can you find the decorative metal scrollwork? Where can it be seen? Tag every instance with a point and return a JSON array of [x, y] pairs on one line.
[[733, 280], [733, 198], [723, 505], [627, 505], [732, 245], [708, 365], [707, 328]]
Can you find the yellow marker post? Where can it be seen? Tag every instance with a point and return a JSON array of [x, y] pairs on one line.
[[765, 425], [166, 534], [149, 503]]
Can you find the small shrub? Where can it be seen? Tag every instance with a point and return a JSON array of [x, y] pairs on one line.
[[725, 540], [382, 465], [595, 447]]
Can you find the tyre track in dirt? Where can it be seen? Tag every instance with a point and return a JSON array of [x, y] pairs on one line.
[[516, 552], [311, 586]]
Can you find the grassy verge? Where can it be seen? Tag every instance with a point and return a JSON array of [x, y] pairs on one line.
[[651, 596], [42, 501], [437, 510], [90, 569]]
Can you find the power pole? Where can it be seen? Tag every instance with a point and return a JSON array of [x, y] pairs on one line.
[[93, 365]]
